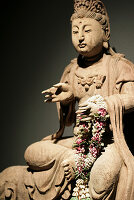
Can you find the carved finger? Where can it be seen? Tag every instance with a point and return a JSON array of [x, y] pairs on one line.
[[91, 114], [57, 98], [48, 100], [66, 169], [69, 177], [64, 86], [60, 85], [48, 91], [54, 96], [83, 104], [86, 103], [48, 96], [86, 119], [84, 107], [80, 111], [51, 98], [65, 163], [83, 117], [67, 173]]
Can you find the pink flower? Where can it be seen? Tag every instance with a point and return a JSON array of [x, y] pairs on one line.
[[101, 124], [96, 137], [82, 150], [91, 146], [79, 141], [86, 130], [93, 151], [78, 149], [102, 112]]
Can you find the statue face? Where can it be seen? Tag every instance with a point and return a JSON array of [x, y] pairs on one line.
[[87, 36]]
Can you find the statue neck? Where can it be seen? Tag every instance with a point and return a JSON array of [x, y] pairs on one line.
[[88, 61]]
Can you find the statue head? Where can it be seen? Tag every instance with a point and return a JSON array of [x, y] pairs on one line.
[[90, 27]]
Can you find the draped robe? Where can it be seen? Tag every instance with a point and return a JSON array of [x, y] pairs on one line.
[[118, 90]]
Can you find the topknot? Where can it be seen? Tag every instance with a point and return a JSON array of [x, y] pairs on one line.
[[90, 5]]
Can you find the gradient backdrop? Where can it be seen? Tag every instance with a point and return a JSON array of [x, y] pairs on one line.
[[36, 46]]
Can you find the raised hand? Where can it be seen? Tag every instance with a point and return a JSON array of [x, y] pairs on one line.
[[60, 92], [87, 110]]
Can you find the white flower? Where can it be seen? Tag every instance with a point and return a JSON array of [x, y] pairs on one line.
[[102, 144], [83, 196], [82, 192], [79, 182], [76, 189], [87, 190], [82, 186], [88, 162], [87, 195], [96, 101], [75, 194]]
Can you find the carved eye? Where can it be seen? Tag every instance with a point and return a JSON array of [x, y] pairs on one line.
[[87, 30], [75, 32]]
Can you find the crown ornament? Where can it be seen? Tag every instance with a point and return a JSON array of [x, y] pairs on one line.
[[90, 5], [92, 9]]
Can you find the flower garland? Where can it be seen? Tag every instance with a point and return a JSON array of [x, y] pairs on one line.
[[88, 144]]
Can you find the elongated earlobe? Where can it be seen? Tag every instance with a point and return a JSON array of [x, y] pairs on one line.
[[105, 44]]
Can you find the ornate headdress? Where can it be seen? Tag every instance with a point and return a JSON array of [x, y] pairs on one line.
[[92, 9]]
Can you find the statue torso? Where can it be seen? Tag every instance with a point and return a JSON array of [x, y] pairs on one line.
[[89, 81]]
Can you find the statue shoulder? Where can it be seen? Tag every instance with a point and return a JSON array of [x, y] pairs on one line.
[[71, 65], [127, 62], [125, 66], [69, 69], [121, 63], [122, 68]]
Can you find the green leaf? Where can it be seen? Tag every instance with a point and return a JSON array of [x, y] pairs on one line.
[[75, 198], [88, 174], [75, 145], [96, 115], [77, 176]]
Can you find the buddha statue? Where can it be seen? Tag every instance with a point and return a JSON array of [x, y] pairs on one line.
[[97, 162]]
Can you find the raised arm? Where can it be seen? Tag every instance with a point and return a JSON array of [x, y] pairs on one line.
[[62, 94]]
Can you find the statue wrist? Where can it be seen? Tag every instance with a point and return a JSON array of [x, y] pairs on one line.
[[68, 100]]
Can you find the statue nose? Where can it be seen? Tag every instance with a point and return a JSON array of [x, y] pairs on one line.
[[81, 39]]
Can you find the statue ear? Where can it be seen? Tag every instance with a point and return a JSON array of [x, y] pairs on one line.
[[105, 42]]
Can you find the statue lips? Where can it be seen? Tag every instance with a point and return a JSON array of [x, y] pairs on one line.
[[82, 45]]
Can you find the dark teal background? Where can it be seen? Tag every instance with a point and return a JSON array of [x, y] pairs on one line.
[[35, 47]]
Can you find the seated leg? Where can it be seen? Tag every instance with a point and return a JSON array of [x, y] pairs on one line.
[[104, 174], [42, 155], [51, 164]]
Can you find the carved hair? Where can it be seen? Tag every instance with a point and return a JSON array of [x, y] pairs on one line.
[[94, 9]]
